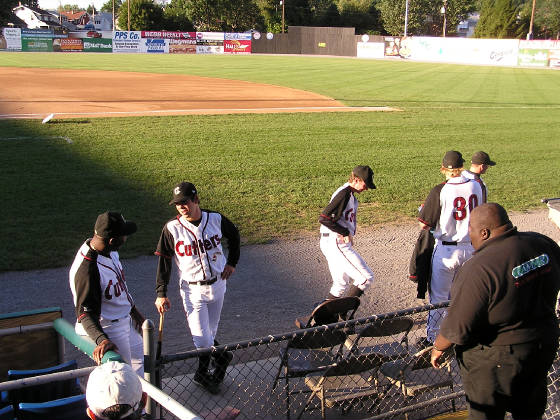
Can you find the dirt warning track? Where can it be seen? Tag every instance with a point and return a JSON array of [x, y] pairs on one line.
[[38, 92]]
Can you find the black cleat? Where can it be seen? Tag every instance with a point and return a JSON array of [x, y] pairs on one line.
[[207, 382]]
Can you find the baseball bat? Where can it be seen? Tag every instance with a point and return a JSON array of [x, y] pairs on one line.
[[160, 335]]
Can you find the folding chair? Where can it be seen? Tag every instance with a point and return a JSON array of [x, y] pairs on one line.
[[391, 340], [314, 351], [415, 375], [342, 384], [70, 408]]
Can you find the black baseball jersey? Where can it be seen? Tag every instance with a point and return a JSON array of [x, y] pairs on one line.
[[506, 293], [196, 248]]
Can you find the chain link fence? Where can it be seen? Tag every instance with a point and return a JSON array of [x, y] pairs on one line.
[[375, 367]]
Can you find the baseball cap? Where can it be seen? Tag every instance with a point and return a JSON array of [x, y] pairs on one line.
[[365, 173], [482, 158], [452, 160], [112, 225], [110, 384], [182, 192]]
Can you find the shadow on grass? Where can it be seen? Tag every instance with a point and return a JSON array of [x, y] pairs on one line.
[[52, 196]]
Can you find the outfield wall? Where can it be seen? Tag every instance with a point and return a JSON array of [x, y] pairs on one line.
[[299, 40]]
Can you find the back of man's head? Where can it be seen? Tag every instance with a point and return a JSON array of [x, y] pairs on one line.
[[114, 392]]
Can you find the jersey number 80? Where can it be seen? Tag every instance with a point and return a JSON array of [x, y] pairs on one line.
[[461, 211]]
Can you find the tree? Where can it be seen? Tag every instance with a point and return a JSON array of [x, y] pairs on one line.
[[547, 19], [499, 19], [241, 15], [144, 15], [393, 13], [176, 18], [272, 15], [6, 11], [360, 14], [71, 8], [297, 13], [108, 6]]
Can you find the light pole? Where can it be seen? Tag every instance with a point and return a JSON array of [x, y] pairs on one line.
[[530, 34], [113, 15], [443, 12], [282, 3], [128, 5], [406, 17]]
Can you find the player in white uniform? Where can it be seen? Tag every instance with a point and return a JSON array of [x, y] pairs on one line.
[[446, 213], [480, 162], [105, 310], [338, 227], [194, 241]]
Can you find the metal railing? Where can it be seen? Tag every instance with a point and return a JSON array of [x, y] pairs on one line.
[[263, 381]]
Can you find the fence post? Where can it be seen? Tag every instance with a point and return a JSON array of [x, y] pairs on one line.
[[149, 360]]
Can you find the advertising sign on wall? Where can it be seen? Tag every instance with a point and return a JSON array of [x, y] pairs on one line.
[[237, 46], [68, 44], [168, 35], [155, 46], [532, 58], [98, 45], [371, 49], [182, 46], [37, 33], [245, 36], [209, 49], [10, 39], [210, 36], [37, 44], [127, 42]]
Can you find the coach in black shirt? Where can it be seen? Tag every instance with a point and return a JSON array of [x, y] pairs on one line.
[[502, 317]]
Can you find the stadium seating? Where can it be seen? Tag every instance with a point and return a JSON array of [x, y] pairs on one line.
[[70, 408]]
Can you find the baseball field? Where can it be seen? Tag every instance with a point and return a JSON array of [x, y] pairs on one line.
[[269, 172]]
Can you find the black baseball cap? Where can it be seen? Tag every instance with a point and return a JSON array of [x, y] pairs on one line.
[[365, 173], [182, 192], [113, 225], [482, 158], [452, 160]]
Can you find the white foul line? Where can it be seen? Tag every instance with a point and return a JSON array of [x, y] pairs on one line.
[[66, 139]]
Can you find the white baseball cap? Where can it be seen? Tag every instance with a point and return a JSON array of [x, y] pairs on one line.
[[110, 384]]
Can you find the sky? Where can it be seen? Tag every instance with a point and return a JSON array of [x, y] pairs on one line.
[[53, 4]]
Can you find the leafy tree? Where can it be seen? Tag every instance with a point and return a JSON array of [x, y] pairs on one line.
[[360, 14], [176, 17], [393, 14], [271, 12], [144, 15], [108, 6], [71, 8], [547, 19], [205, 14], [328, 17], [297, 13], [6, 11], [241, 15], [499, 19]]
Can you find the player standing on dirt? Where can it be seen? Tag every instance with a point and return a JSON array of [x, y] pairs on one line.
[[446, 213], [194, 240], [338, 227]]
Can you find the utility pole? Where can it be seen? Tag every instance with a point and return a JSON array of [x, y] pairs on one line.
[[444, 12], [128, 4], [113, 15], [530, 34], [406, 17]]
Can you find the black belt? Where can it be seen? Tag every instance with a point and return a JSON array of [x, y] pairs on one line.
[[449, 243], [325, 234], [205, 282]]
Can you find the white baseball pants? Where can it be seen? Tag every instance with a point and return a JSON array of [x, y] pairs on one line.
[[203, 306], [345, 265], [446, 260]]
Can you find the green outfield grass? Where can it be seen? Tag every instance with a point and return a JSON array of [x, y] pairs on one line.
[[272, 174]]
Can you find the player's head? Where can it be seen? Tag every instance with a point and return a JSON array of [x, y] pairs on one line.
[[480, 162], [111, 229], [361, 178], [452, 164], [113, 392], [185, 199], [487, 221]]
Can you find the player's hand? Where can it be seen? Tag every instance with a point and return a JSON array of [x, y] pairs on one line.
[[137, 319], [162, 304], [103, 348], [228, 271], [434, 359]]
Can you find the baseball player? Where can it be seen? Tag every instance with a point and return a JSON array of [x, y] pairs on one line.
[[194, 241], [338, 227], [446, 213], [480, 162], [105, 310]]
